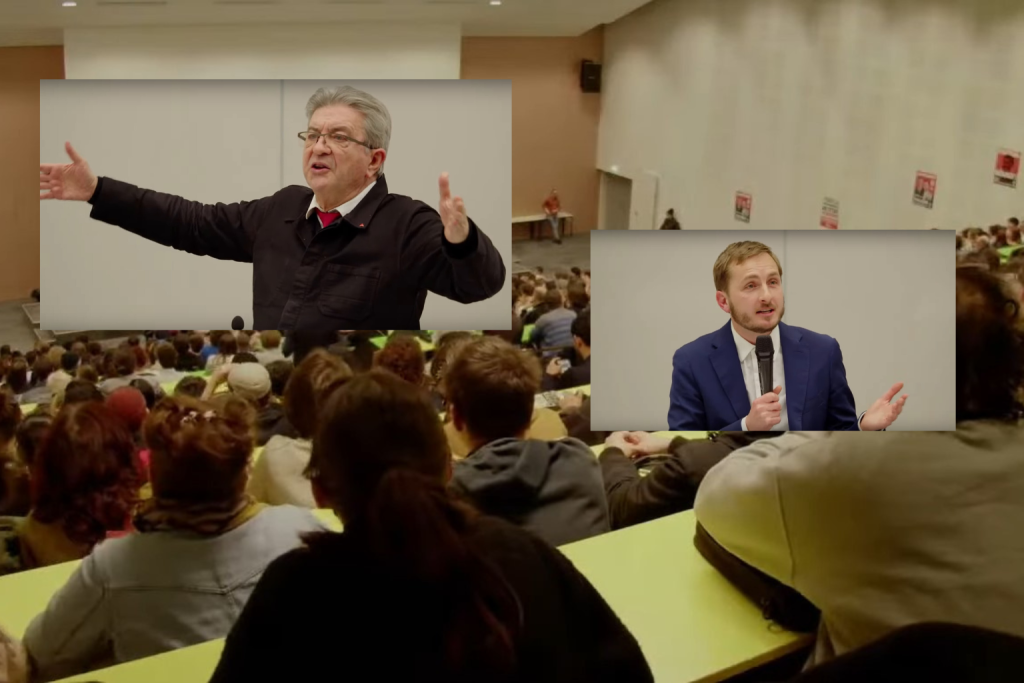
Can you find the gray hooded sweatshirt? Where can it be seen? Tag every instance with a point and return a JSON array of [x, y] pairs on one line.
[[551, 488]]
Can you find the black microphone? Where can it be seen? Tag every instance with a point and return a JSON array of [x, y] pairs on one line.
[[238, 324], [765, 350]]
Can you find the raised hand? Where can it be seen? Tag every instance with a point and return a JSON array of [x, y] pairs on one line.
[[453, 213], [881, 414], [765, 412], [74, 181]]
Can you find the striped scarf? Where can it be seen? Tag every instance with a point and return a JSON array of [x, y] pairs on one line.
[[206, 519]]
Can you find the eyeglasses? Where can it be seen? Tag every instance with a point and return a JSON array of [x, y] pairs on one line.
[[338, 140]]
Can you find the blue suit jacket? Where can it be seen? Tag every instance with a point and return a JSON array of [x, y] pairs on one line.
[[708, 392]]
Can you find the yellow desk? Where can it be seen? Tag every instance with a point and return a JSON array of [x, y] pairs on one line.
[[690, 622], [379, 342], [27, 408], [188, 664]]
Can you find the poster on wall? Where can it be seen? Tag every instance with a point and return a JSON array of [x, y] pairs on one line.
[[830, 214], [744, 202], [1007, 168], [924, 190]]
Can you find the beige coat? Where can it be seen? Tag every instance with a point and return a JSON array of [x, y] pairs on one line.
[[277, 477], [881, 529]]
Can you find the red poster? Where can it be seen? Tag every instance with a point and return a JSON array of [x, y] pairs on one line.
[[924, 190], [1007, 168], [744, 203]]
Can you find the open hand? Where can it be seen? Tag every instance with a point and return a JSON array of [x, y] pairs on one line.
[[453, 213], [881, 414], [765, 412], [74, 181]]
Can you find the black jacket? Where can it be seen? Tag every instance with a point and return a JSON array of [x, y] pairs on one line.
[[370, 269], [323, 614], [671, 485]]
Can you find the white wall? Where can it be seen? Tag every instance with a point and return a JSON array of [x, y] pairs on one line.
[[886, 297], [793, 100], [227, 141], [321, 51]]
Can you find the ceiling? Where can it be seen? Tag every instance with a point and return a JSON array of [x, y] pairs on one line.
[[41, 22]]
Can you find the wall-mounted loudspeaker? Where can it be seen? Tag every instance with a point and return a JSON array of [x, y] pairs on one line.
[[590, 76]]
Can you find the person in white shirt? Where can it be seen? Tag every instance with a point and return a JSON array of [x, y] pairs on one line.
[[884, 530], [270, 341], [715, 379]]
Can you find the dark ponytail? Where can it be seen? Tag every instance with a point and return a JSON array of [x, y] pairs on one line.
[[381, 456]]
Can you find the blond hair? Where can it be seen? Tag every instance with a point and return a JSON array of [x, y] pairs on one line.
[[737, 253]]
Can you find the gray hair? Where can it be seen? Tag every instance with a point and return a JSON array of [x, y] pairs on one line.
[[377, 119]]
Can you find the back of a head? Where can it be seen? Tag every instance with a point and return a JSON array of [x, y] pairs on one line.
[[403, 356], [575, 270], [81, 391], [989, 347], [304, 341], [381, 458], [190, 385], [280, 372], [124, 362], [69, 362], [553, 298], [577, 296], [245, 357], [581, 327], [271, 339], [304, 392], [129, 405], [199, 453], [243, 342], [55, 353], [42, 368], [196, 343], [227, 345], [88, 373], [167, 356], [29, 436], [94, 348], [10, 417], [17, 376], [85, 473], [146, 389], [491, 385], [446, 345]]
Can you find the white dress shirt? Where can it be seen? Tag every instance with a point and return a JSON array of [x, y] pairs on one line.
[[752, 379], [342, 209]]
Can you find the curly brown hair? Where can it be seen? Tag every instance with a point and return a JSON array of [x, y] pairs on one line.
[[403, 356], [199, 452], [86, 473]]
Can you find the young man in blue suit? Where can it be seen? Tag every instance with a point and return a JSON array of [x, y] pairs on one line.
[[715, 381]]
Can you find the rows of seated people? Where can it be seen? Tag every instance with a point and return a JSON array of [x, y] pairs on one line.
[[451, 559]]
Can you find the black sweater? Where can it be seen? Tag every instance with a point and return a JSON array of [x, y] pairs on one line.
[[321, 614]]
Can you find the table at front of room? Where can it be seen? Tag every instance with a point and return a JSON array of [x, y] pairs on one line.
[[691, 623]]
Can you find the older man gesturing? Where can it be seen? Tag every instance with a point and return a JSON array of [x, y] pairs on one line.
[[342, 253]]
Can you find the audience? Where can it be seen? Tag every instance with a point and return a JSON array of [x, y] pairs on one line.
[[84, 485], [578, 374], [280, 372], [277, 477], [227, 347], [200, 548], [552, 488], [886, 529], [14, 490], [251, 382], [40, 392], [478, 599], [190, 386], [271, 342]]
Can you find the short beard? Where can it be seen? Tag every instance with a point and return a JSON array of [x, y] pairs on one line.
[[753, 324]]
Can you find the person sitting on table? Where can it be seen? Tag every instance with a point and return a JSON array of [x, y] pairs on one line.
[[715, 383], [554, 328], [552, 488], [578, 374], [249, 381], [277, 477], [200, 548], [671, 485], [85, 483], [882, 530], [457, 595], [373, 255]]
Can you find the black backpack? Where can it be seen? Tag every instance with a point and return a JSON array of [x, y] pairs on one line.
[[778, 602]]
